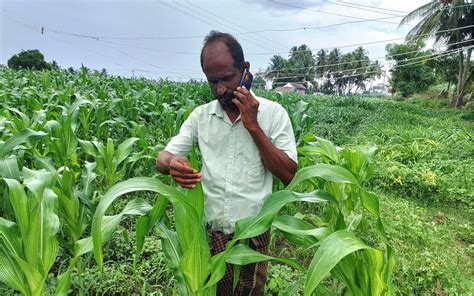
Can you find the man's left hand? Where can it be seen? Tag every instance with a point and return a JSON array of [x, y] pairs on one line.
[[248, 107]]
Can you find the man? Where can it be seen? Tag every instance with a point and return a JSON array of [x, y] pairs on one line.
[[243, 140]]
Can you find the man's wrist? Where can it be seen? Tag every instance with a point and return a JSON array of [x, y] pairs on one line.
[[254, 129]]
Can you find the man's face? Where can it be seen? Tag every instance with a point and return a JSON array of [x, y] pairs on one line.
[[223, 77]]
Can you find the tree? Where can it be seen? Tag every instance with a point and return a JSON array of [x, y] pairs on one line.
[[29, 59], [409, 77], [446, 70], [301, 64], [343, 74], [55, 66], [277, 71], [448, 21], [258, 81], [299, 67]]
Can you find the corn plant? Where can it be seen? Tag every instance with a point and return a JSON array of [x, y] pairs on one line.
[[28, 246], [108, 159], [364, 270], [198, 273], [186, 248]]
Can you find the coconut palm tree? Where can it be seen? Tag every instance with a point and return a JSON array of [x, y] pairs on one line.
[[439, 19], [277, 71]]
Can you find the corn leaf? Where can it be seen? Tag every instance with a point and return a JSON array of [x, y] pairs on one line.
[[332, 250], [131, 185], [10, 247], [109, 224], [18, 139], [242, 254], [325, 171], [9, 168], [300, 227], [19, 203]]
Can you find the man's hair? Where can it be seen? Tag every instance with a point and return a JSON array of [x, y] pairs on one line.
[[234, 47]]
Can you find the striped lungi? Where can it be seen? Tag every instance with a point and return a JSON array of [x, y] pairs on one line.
[[252, 277]]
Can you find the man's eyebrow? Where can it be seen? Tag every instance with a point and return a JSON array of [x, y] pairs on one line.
[[226, 75]]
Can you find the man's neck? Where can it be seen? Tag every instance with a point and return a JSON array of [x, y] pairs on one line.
[[232, 112]]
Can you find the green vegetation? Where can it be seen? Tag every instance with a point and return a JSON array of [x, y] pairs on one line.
[[327, 72], [31, 59], [408, 77], [450, 21], [87, 143]]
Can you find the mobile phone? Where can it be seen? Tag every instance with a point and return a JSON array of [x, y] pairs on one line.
[[246, 79]]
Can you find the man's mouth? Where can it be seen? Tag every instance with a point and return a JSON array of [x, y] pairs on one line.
[[226, 99]]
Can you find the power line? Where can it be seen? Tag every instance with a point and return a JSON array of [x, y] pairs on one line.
[[427, 58], [36, 27], [363, 60], [237, 25], [351, 45], [336, 14], [374, 7], [367, 43], [208, 20], [248, 54], [165, 70], [356, 6], [202, 36]]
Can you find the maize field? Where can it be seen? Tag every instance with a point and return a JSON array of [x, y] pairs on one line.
[[77, 167]]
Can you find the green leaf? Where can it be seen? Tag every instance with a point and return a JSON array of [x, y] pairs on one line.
[[20, 206], [10, 248], [325, 171], [131, 185], [124, 149], [18, 139], [300, 227], [242, 254], [256, 225], [195, 264], [9, 168], [332, 250], [141, 229], [109, 224]]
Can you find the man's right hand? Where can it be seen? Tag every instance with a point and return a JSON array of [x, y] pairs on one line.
[[182, 172]]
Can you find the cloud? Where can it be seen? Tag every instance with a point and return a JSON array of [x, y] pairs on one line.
[[279, 6]]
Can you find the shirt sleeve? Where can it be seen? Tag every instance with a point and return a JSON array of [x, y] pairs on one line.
[[182, 143], [282, 135]]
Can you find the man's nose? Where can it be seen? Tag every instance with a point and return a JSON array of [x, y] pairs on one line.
[[221, 89]]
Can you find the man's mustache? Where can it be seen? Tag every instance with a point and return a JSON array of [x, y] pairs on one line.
[[225, 98]]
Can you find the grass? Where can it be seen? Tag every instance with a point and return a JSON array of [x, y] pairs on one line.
[[434, 247], [425, 175]]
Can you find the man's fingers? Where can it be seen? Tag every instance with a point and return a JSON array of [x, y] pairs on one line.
[[182, 167], [237, 103], [240, 96], [183, 181], [243, 90], [184, 175]]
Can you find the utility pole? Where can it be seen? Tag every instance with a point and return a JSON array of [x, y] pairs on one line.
[[133, 74]]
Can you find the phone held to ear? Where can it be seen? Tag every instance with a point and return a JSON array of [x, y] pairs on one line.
[[246, 79]]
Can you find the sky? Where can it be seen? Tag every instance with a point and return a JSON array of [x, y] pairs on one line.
[[162, 39]]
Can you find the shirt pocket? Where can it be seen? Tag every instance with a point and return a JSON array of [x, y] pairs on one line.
[[254, 165]]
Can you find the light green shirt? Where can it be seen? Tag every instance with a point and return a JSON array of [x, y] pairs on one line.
[[234, 179]]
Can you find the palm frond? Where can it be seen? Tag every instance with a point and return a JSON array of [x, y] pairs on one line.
[[420, 12]]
